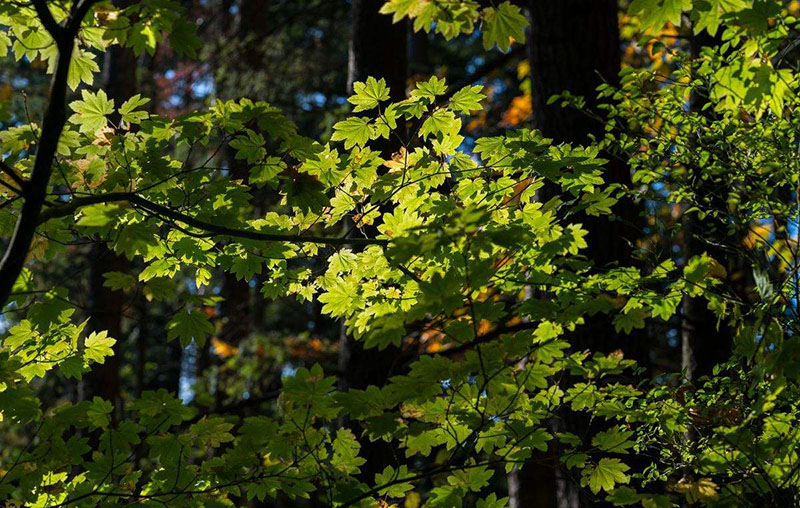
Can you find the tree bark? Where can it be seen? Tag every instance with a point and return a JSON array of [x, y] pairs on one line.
[[106, 307], [55, 116], [378, 48], [574, 46], [704, 343]]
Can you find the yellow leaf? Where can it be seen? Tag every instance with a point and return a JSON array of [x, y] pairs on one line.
[[702, 489], [223, 349], [6, 92], [519, 111], [412, 500], [758, 236]]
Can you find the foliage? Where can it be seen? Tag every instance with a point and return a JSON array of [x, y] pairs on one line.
[[500, 25], [435, 242]]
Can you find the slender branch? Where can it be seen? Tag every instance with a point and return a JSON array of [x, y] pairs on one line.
[[10, 187], [249, 234], [55, 117], [235, 406], [8, 170], [435, 470], [81, 9], [480, 73], [488, 337], [58, 211], [208, 227], [56, 31]]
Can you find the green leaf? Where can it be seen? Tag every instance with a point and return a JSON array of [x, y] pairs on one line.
[[212, 431], [142, 37], [605, 475], [492, 501], [90, 113], [345, 452], [183, 38], [246, 265], [81, 69], [390, 475], [266, 172], [441, 123], [503, 24], [353, 131], [429, 90], [623, 496], [127, 110], [101, 215], [616, 440], [368, 95], [99, 413], [472, 478], [655, 13], [467, 99], [98, 346], [629, 321], [188, 326], [249, 147], [5, 43], [19, 334]]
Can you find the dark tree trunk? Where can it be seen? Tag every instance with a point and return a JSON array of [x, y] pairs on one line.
[[253, 28], [574, 46], [237, 309], [107, 306], [378, 48], [419, 54], [704, 343]]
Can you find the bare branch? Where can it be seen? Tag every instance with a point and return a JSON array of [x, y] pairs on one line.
[[488, 337]]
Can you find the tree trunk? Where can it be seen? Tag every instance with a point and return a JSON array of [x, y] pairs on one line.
[[574, 46], [107, 306], [704, 344], [238, 307], [378, 48]]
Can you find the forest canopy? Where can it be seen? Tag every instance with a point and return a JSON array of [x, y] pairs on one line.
[[399, 253]]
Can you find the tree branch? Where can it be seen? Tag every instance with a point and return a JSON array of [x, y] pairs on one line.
[[488, 337], [481, 72], [80, 10], [55, 117], [50, 24], [213, 229], [5, 168], [10, 187], [235, 406]]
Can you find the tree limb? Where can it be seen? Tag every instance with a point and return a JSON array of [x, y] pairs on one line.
[[56, 31], [480, 73], [80, 10], [55, 117], [8, 170], [214, 229], [10, 187], [488, 337]]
